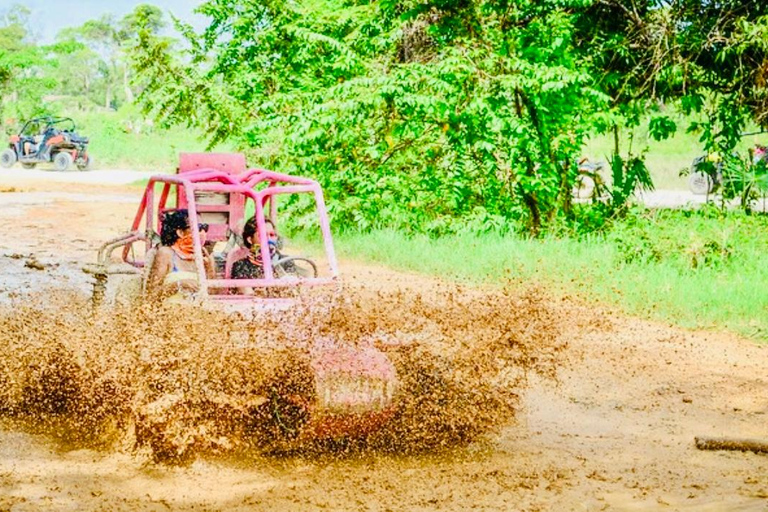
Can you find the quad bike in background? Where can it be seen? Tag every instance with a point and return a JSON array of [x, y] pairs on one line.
[[706, 172], [47, 139], [353, 388], [590, 183]]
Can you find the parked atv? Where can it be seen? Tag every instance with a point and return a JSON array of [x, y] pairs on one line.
[[706, 173], [590, 183], [47, 139]]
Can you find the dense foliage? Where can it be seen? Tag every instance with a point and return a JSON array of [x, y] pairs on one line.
[[419, 113], [86, 66], [425, 115], [409, 116], [708, 57]]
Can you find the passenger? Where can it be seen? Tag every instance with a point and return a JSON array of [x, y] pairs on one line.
[[34, 146], [173, 275], [252, 267]]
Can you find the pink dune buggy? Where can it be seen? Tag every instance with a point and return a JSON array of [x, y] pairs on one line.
[[354, 387]]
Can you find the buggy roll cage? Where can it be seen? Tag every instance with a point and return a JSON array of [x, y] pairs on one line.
[[191, 186], [47, 122]]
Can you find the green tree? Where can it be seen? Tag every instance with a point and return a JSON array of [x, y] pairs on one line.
[[112, 40], [101, 36], [144, 17], [22, 80], [75, 66], [416, 113], [410, 114]]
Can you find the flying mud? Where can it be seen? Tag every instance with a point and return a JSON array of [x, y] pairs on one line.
[[176, 383]]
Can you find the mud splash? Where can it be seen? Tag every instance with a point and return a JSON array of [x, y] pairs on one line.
[[172, 384]]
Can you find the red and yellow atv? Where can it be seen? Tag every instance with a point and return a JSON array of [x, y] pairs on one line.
[[47, 139]]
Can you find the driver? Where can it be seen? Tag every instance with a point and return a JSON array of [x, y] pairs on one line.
[[173, 274], [252, 267], [32, 147]]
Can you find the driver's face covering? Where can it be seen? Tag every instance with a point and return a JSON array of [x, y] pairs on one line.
[[271, 241]]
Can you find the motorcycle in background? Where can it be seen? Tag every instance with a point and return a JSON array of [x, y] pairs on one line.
[[706, 172]]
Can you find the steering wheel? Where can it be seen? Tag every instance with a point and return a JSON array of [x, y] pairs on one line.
[[295, 266]]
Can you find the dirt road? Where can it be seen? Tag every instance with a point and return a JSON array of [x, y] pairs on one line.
[[614, 431]]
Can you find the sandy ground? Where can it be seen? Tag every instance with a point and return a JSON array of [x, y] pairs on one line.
[[614, 431], [94, 177]]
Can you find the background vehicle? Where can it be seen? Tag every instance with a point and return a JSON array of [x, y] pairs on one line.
[[706, 174], [590, 182], [707, 171], [47, 139]]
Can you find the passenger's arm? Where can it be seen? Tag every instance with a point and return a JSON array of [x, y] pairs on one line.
[[210, 269], [161, 265]]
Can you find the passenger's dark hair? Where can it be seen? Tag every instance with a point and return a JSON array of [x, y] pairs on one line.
[[177, 219], [249, 230]]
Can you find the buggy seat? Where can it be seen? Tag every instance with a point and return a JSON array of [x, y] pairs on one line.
[[223, 212]]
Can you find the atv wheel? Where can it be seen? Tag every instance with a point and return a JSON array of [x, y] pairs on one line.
[[700, 183], [7, 158], [28, 165], [62, 161], [115, 289], [83, 163]]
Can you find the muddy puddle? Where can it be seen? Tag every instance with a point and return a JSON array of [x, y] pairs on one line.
[[25, 274]]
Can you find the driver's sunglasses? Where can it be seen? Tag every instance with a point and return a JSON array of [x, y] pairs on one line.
[[200, 227]]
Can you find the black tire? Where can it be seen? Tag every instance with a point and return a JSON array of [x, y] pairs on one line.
[[295, 266], [28, 165], [7, 158], [83, 164], [700, 183], [62, 161]]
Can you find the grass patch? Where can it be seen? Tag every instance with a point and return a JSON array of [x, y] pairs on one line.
[[118, 142], [695, 269]]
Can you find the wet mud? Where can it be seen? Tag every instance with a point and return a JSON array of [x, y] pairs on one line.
[[177, 382], [509, 400]]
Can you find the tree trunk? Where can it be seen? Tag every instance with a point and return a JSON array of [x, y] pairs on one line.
[[533, 207], [108, 96], [530, 199], [532, 202], [566, 188], [126, 85]]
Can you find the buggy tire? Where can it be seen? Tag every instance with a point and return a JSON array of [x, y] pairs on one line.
[[28, 165], [7, 158], [83, 164], [700, 183], [307, 268], [62, 161], [118, 290]]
